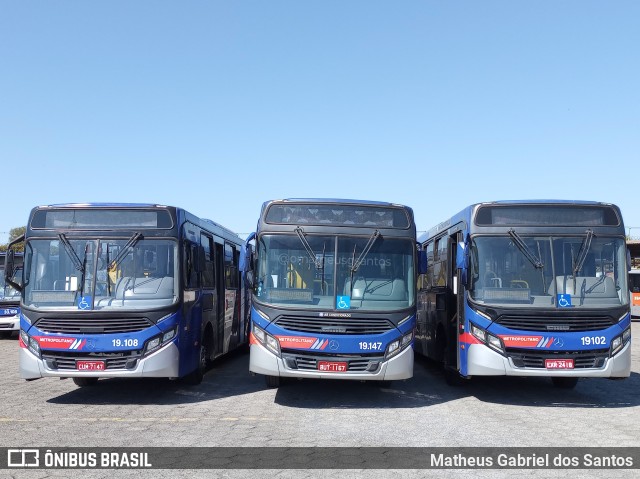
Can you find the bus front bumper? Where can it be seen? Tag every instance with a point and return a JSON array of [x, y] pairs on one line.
[[163, 363], [10, 323], [263, 361], [483, 361]]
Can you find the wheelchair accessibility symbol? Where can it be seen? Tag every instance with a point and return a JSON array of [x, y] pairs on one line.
[[343, 302], [564, 300], [84, 302]]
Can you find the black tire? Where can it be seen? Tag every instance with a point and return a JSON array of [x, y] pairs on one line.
[[453, 378], [85, 382], [272, 381], [564, 383], [451, 375], [195, 377]]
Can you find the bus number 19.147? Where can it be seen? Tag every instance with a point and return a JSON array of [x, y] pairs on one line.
[[370, 346]]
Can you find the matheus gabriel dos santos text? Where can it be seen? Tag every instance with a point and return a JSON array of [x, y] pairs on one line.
[[531, 461]]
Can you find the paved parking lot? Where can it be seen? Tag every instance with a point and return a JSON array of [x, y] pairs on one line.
[[233, 408]]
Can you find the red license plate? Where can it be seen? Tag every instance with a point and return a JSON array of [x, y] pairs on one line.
[[558, 363], [332, 366], [90, 365]]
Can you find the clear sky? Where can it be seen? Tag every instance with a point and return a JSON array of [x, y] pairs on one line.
[[217, 106]]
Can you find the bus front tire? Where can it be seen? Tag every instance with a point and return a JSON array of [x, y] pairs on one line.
[[85, 382], [197, 375], [272, 381], [453, 378], [564, 383]]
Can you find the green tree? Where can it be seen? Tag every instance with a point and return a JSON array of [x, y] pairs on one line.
[[13, 234]]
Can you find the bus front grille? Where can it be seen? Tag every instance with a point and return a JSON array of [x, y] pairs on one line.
[[62, 360], [93, 325], [355, 363], [525, 358], [347, 326], [559, 324]]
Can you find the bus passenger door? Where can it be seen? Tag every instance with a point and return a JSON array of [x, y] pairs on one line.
[[231, 259], [208, 290], [220, 296], [421, 315], [452, 359]]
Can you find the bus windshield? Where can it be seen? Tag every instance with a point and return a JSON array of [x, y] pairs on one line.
[[71, 273], [548, 271], [328, 272]]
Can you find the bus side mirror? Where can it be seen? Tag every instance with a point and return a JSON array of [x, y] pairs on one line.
[[422, 262], [628, 259], [246, 258], [10, 264], [249, 280], [462, 261]]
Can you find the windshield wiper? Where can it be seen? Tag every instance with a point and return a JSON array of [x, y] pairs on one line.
[[107, 271], [322, 277], [355, 263], [582, 254], [77, 263], [124, 251], [84, 269], [365, 251], [519, 242], [312, 256]]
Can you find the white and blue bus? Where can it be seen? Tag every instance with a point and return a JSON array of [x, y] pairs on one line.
[[527, 288], [10, 296], [333, 290], [127, 290]]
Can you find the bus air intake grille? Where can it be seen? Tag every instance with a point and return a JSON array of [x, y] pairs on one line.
[[355, 362], [63, 360], [347, 326], [93, 325], [555, 324], [526, 358]]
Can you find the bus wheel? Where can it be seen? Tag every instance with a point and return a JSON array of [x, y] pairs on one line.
[[565, 383], [272, 381], [453, 378], [84, 382], [195, 377]]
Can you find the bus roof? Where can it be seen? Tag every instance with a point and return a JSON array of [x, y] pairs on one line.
[[466, 213], [332, 201], [225, 232]]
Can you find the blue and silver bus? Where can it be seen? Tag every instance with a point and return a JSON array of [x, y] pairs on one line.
[[527, 288], [333, 290], [127, 290], [10, 296]]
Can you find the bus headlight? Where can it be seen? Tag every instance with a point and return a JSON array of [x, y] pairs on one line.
[[486, 338], [160, 340], [152, 344], [494, 342], [398, 345], [268, 341], [480, 334], [31, 344], [619, 341]]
